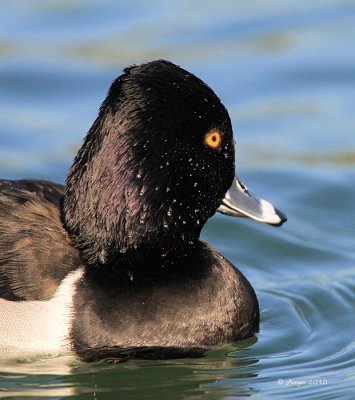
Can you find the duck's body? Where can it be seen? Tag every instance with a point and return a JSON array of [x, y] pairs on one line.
[[111, 264], [178, 305]]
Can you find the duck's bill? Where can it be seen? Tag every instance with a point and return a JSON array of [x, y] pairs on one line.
[[239, 202]]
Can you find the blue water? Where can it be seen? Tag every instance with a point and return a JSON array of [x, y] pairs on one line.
[[286, 72]]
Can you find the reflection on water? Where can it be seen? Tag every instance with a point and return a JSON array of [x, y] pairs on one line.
[[285, 72], [221, 372]]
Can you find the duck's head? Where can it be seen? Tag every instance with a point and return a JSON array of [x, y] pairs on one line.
[[156, 164]]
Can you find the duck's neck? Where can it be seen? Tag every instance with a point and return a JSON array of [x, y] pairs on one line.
[[145, 264], [113, 231]]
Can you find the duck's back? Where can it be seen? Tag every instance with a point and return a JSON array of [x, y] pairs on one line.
[[36, 253]]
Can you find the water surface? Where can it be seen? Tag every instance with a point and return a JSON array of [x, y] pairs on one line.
[[285, 71]]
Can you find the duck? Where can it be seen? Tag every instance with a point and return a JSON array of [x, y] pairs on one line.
[[110, 265]]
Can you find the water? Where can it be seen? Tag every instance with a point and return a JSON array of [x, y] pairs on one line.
[[285, 70]]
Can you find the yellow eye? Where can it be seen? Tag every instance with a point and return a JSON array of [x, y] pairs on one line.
[[213, 139]]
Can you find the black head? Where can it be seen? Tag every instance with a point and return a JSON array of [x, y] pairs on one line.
[[153, 168]]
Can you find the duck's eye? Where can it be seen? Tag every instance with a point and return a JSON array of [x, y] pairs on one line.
[[213, 139]]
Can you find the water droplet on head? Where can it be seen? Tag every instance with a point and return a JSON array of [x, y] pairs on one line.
[[103, 256], [163, 254], [167, 189]]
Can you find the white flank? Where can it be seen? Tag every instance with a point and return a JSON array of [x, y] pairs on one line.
[[38, 325]]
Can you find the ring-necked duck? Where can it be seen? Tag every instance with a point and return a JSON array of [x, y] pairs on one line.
[[111, 264]]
